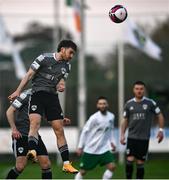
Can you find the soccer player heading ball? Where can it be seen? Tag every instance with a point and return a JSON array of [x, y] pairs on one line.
[[48, 73]]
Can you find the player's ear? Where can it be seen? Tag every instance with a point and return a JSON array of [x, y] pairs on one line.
[[63, 49]]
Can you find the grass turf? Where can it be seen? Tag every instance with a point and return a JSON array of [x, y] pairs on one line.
[[154, 169]]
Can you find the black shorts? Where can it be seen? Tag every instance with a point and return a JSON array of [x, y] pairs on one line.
[[20, 147], [46, 104], [137, 148]]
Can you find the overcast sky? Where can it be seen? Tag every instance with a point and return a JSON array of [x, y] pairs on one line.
[[101, 33]]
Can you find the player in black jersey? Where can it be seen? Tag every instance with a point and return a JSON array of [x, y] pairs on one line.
[[48, 72], [17, 115], [138, 114]]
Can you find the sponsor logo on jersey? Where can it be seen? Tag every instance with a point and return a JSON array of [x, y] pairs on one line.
[[34, 107], [20, 149], [50, 67]]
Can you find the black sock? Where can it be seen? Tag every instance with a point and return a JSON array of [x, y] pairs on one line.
[[32, 143], [140, 171], [64, 152], [129, 169], [13, 173], [46, 173]]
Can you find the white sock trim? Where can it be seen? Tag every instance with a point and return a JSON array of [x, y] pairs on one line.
[[78, 176], [66, 162], [107, 174]]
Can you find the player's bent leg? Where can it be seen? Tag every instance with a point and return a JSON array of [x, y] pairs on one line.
[[19, 167], [57, 126], [21, 162], [45, 165], [110, 168], [140, 169], [129, 167], [35, 120]]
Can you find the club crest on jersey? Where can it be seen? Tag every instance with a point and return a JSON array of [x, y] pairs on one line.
[[145, 106], [34, 107], [20, 149], [131, 108], [63, 70], [128, 151]]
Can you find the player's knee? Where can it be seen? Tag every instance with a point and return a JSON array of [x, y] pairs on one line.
[[59, 132], [45, 164], [111, 167], [34, 124], [35, 121], [20, 167]]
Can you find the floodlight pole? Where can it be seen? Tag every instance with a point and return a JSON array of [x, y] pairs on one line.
[[56, 38], [120, 91], [81, 72]]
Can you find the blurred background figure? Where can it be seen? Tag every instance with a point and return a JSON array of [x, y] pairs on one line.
[[97, 141], [138, 114]]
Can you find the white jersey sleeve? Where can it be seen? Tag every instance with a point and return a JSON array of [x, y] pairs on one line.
[[112, 136], [84, 132]]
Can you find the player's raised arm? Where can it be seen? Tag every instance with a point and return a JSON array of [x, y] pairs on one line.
[[22, 84]]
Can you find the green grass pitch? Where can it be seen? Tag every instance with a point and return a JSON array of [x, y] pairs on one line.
[[154, 169]]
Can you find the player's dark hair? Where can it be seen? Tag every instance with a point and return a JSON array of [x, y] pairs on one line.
[[101, 97], [139, 83], [66, 44]]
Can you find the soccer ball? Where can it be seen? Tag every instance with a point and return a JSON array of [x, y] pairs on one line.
[[118, 14]]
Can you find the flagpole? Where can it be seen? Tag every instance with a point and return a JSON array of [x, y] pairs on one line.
[[120, 92], [56, 38], [81, 73]]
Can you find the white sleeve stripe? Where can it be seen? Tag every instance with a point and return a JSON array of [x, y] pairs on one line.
[[40, 58], [14, 145], [35, 65], [17, 104]]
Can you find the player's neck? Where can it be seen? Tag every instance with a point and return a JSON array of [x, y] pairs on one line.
[[58, 57], [103, 112], [138, 99]]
